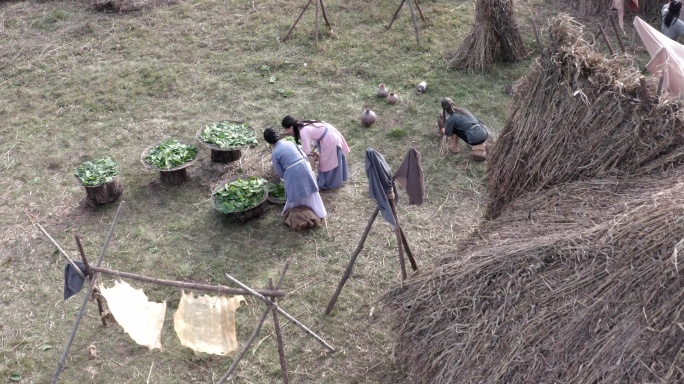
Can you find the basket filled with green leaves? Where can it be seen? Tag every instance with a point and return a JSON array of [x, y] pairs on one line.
[[100, 178], [276, 191], [226, 140], [242, 197], [170, 158]]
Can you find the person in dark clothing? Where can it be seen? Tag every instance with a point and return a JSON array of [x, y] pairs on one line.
[[455, 123]]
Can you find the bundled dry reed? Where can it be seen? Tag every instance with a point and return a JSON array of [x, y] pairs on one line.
[[578, 115], [494, 36], [579, 284], [578, 279]]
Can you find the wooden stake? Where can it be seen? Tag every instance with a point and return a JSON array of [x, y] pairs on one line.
[[631, 44], [617, 33], [279, 338], [412, 260], [536, 34], [660, 82], [325, 17], [317, 4], [89, 272], [605, 39], [415, 23], [254, 335], [350, 265], [76, 268], [81, 312], [297, 21], [282, 312], [397, 231]]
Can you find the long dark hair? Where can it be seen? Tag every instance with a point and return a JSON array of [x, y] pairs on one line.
[[672, 13], [448, 106], [289, 121]]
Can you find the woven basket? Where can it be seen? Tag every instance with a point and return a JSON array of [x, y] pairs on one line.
[[153, 168], [272, 199], [255, 211], [215, 147]]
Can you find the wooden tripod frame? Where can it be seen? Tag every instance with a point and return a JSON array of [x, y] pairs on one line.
[[413, 16], [402, 245], [319, 3]]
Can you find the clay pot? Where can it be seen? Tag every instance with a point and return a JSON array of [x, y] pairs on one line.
[[421, 87], [368, 117], [382, 90], [392, 98]]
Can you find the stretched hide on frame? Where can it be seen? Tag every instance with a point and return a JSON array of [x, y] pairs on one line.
[[141, 319], [206, 323]]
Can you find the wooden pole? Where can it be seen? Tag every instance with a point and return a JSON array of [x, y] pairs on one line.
[[297, 21], [536, 34], [89, 272], [412, 260], [317, 4], [644, 91], [605, 39], [396, 14], [182, 284], [397, 231], [415, 23], [325, 17], [420, 11], [631, 44], [76, 268], [350, 265], [617, 33], [660, 82], [282, 312], [254, 335], [279, 338], [81, 312]]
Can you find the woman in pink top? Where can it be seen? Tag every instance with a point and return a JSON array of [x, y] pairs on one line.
[[332, 149]]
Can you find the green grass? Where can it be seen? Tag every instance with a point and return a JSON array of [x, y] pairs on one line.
[[77, 85]]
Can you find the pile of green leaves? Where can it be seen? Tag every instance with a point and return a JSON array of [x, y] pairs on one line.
[[240, 195], [97, 172], [170, 154], [228, 135], [277, 190]]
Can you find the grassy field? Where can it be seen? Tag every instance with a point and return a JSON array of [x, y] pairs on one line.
[[77, 84]]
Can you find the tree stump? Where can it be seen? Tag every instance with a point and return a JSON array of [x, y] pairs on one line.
[[225, 156], [105, 193], [175, 177]]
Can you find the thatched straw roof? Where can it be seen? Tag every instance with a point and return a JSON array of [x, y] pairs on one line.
[[576, 281], [577, 114]]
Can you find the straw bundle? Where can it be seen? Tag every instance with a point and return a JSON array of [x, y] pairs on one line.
[[494, 36], [578, 279], [578, 284], [579, 115]]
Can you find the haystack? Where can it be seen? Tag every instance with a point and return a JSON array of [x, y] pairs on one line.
[[577, 114], [493, 37], [579, 284], [577, 279]]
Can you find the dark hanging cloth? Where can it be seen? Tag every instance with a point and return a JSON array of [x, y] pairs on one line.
[[380, 182], [73, 282], [410, 176]]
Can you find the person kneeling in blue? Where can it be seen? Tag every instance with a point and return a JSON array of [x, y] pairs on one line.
[[291, 165], [462, 124]]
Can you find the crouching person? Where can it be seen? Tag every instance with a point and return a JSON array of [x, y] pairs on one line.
[[303, 205], [455, 123]]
